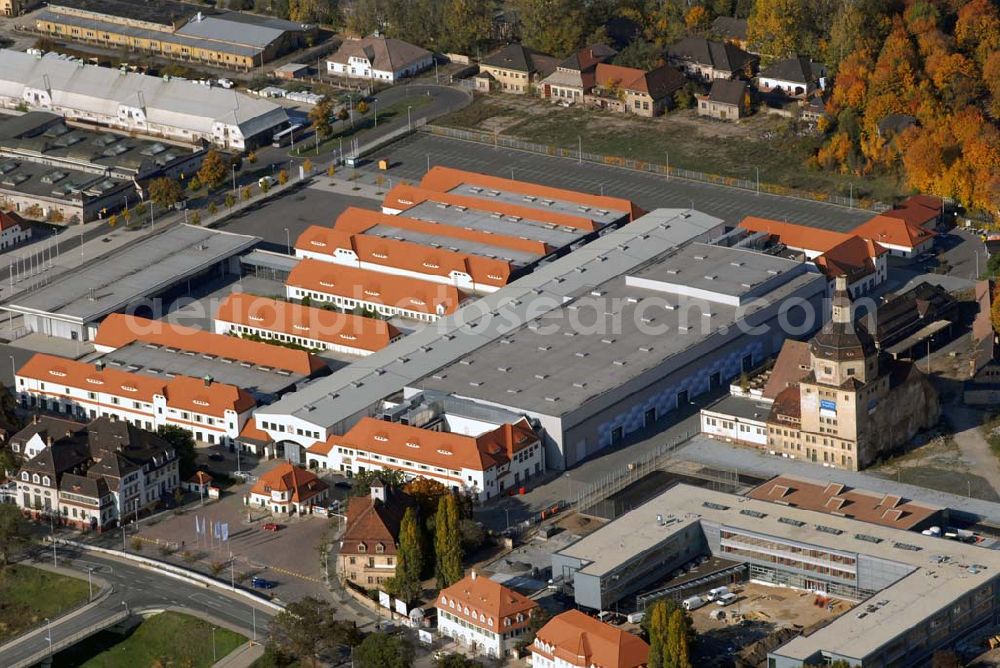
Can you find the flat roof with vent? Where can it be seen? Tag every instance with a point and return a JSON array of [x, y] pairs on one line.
[[926, 575], [730, 276], [146, 267]]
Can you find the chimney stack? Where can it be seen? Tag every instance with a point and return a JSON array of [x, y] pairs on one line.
[[208, 380], [472, 574]]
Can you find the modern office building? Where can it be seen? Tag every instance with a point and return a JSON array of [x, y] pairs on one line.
[[181, 111], [919, 593], [176, 30], [132, 278]]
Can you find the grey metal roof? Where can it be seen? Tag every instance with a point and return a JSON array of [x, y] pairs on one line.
[[100, 91], [160, 362], [329, 401], [111, 282], [218, 29], [596, 214], [612, 333], [189, 40], [488, 221], [740, 407], [516, 257]]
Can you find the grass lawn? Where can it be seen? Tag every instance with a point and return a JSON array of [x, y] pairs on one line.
[[693, 143], [168, 639], [29, 595]]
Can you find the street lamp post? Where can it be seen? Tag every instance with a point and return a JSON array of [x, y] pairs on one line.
[[214, 657], [234, 180], [375, 109], [52, 535], [409, 123], [48, 633], [90, 583]]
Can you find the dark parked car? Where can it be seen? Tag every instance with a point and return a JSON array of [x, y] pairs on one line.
[[261, 583]]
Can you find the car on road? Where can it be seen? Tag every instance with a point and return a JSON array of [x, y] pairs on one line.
[[272, 527], [265, 182], [261, 583]]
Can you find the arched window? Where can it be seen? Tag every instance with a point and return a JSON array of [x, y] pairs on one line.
[[362, 547], [380, 548], [34, 478], [25, 476], [45, 481]]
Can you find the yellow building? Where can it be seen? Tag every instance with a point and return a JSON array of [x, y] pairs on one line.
[[174, 30]]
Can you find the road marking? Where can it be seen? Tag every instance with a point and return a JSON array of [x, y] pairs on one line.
[[294, 574]]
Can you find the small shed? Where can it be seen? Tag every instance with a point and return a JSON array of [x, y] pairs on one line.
[[292, 71], [199, 483]]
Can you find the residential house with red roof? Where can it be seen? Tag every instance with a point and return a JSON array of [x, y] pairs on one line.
[[484, 615], [378, 58], [244, 314], [370, 541], [213, 412], [574, 639], [14, 230], [633, 91], [288, 489], [574, 76]]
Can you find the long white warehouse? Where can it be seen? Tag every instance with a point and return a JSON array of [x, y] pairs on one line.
[[178, 110]]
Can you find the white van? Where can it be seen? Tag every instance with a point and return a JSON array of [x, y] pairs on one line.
[[693, 603], [725, 599], [717, 592]]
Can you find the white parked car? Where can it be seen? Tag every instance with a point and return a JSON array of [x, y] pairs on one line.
[[225, 83]]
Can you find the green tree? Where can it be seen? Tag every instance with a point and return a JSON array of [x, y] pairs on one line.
[[165, 192], [467, 24], [379, 650], [282, 177], [306, 629], [13, 531], [183, 443], [555, 27], [213, 169], [367, 17], [229, 200], [677, 640], [447, 542], [409, 558], [657, 624], [639, 54], [455, 660], [320, 116]]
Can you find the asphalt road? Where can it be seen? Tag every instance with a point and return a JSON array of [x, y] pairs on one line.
[[411, 156], [139, 589]]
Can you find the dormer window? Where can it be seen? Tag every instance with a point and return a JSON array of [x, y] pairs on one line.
[[45, 481], [362, 547], [380, 548], [35, 478], [25, 476]]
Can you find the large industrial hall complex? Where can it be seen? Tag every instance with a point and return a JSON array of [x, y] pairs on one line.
[[182, 111]]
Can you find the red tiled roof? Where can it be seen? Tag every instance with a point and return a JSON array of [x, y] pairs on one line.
[[480, 600], [370, 521], [580, 640], [886, 229], [308, 322], [854, 258], [418, 258], [285, 477], [918, 210], [118, 330], [9, 219], [792, 365], [787, 404], [444, 179], [182, 392], [404, 197], [251, 432], [354, 220], [859, 504], [396, 291], [434, 448], [796, 236]]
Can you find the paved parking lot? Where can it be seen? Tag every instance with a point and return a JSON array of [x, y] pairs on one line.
[[410, 158]]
